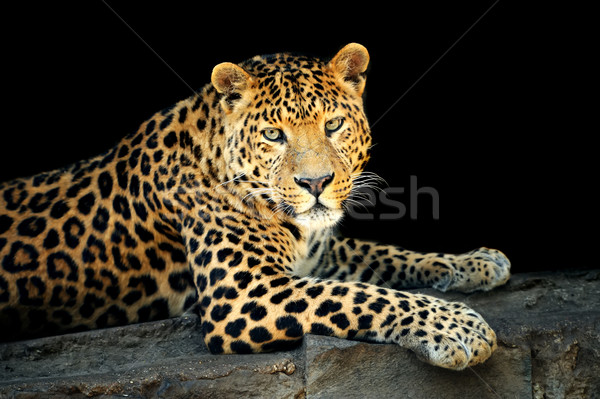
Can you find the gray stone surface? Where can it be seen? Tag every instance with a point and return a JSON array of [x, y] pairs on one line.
[[159, 359], [548, 325], [346, 369]]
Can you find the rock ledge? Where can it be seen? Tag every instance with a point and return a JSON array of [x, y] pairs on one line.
[[548, 326]]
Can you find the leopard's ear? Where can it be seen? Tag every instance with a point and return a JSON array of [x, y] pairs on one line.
[[230, 80], [350, 64]]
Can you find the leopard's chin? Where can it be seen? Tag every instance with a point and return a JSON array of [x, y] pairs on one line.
[[319, 217]]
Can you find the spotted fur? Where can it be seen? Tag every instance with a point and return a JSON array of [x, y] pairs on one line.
[[226, 203]]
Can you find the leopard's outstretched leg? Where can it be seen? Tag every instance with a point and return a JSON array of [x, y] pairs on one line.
[[265, 310], [348, 259], [251, 301]]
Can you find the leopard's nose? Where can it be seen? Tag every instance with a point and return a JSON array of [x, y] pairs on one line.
[[315, 186]]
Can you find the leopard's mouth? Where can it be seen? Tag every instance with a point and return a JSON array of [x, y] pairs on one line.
[[319, 216]]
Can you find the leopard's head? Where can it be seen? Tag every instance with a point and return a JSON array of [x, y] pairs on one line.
[[296, 132]]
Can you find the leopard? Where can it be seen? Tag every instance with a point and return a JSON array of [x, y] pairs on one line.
[[228, 204]]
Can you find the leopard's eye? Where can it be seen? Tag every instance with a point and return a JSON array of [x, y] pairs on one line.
[[273, 134], [333, 125]]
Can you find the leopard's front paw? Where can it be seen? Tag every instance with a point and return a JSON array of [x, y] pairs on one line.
[[481, 269], [449, 335]]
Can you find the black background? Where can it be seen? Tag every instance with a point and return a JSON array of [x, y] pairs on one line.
[[497, 125]]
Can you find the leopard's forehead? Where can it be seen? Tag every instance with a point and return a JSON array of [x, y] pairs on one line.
[[301, 87], [286, 63]]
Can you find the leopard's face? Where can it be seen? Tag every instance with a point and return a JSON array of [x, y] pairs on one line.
[[297, 134]]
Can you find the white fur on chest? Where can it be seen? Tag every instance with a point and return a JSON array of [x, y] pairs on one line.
[[309, 252]]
